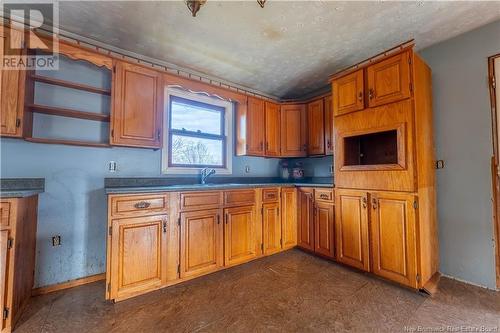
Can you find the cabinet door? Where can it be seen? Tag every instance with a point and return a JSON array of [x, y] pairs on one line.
[[255, 127], [347, 93], [328, 126], [393, 231], [305, 209], [324, 224], [272, 227], [289, 217], [316, 128], [389, 80], [239, 235], [4, 250], [137, 107], [352, 228], [272, 129], [11, 97], [138, 255], [293, 130], [201, 242]]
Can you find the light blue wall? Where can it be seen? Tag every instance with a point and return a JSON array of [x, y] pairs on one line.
[[314, 166], [462, 126], [74, 202]]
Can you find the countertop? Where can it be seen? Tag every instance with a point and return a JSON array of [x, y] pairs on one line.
[[21, 187], [144, 185]]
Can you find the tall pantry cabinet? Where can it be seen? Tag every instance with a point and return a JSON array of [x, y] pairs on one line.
[[384, 168]]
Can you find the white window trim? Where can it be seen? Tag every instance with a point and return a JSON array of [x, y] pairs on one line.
[[228, 117]]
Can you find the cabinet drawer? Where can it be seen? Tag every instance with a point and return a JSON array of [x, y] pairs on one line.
[[270, 194], [4, 213], [200, 200], [138, 204], [243, 197], [323, 194]]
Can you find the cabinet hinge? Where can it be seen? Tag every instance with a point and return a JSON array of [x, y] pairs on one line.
[[415, 204], [409, 60], [114, 69], [281, 242], [418, 277], [179, 221], [5, 313], [262, 246], [18, 122], [112, 133], [411, 86], [179, 269], [109, 287], [493, 82], [110, 231], [10, 243]]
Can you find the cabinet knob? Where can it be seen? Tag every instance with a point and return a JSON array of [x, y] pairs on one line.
[[374, 203], [360, 96], [142, 205], [371, 93], [164, 227], [365, 201]]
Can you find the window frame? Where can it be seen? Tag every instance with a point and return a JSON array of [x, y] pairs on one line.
[[226, 136]]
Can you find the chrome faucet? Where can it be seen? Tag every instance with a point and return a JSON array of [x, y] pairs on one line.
[[205, 173]]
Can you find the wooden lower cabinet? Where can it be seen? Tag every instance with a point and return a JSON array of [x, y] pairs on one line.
[[324, 225], [201, 245], [289, 217], [272, 227], [305, 228], [4, 250], [393, 234], [351, 228], [138, 250], [239, 235]]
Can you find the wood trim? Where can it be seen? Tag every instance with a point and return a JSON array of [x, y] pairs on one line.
[[68, 284]]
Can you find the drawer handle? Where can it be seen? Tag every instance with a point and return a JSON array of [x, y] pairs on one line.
[[142, 205], [324, 196], [270, 195]]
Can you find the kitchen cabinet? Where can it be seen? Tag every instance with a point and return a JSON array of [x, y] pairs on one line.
[[328, 125], [272, 125], [272, 227], [351, 228], [18, 227], [393, 234], [305, 208], [137, 110], [293, 130], [255, 128], [138, 251], [389, 80], [11, 88], [289, 217], [348, 93], [201, 245], [316, 128], [324, 225], [239, 235]]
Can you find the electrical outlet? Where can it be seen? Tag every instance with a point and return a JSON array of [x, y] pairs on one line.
[[56, 240], [112, 166], [247, 169]]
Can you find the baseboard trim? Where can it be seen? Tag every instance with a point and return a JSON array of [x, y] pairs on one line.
[[68, 284], [468, 282]]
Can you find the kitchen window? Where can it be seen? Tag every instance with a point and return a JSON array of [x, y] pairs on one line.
[[199, 133]]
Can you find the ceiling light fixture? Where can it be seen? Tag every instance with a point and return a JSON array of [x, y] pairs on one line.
[[195, 5]]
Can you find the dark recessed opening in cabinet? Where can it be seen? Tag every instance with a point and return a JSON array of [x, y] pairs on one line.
[[371, 149]]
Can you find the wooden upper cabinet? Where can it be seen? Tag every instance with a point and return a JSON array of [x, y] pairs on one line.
[[324, 224], [137, 111], [328, 125], [348, 93], [316, 128], [293, 130], [389, 80], [273, 137], [239, 235], [255, 127], [289, 217], [11, 89], [201, 242], [351, 225], [138, 255], [305, 229], [393, 246], [272, 227]]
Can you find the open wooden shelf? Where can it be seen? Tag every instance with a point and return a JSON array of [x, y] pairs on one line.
[[69, 142], [68, 112], [72, 85]]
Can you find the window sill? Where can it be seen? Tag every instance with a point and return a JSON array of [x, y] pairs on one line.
[[193, 171]]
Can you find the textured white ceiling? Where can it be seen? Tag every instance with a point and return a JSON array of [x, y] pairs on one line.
[[287, 49]]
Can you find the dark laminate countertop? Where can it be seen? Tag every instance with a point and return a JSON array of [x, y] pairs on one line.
[[21, 187], [144, 185]]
